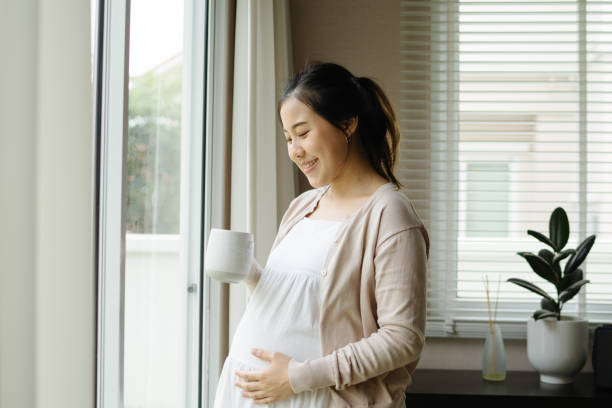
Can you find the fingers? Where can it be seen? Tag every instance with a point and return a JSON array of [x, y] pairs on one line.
[[258, 385], [264, 401], [263, 354], [255, 395], [249, 386], [254, 376]]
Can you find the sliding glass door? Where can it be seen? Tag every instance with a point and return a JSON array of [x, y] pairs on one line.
[[150, 58]]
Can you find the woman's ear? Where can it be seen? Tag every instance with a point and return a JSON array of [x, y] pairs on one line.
[[350, 125]]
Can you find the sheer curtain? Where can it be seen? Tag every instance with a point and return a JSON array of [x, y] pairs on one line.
[[251, 181], [506, 115]]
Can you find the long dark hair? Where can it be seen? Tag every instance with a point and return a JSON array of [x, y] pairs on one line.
[[335, 94]]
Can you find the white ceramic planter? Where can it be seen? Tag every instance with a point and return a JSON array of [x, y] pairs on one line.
[[557, 349]]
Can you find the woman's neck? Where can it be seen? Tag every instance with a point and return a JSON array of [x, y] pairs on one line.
[[357, 179]]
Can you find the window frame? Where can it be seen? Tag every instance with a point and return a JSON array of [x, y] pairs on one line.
[[110, 111]]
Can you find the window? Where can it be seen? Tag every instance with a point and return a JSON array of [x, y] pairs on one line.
[[506, 115], [486, 212], [151, 127]]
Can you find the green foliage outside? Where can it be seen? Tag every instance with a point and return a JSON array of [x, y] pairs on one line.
[[153, 152]]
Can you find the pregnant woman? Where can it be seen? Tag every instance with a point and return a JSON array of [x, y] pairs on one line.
[[337, 316]]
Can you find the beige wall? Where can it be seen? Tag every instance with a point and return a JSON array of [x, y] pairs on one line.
[[364, 35]]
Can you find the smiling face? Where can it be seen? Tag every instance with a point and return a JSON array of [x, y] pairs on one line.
[[316, 146]]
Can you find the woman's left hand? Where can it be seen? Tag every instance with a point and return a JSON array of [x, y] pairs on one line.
[[270, 385]]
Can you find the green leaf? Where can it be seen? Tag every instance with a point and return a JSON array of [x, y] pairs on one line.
[[541, 267], [570, 292], [562, 255], [530, 286], [542, 238], [549, 305], [547, 255], [558, 228], [569, 280], [541, 314], [581, 252]]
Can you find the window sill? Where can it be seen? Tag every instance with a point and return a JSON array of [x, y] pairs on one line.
[[474, 329]]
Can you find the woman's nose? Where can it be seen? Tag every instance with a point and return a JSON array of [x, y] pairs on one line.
[[296, 150]]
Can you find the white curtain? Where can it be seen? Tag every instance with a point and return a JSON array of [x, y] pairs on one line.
[[262, 181]]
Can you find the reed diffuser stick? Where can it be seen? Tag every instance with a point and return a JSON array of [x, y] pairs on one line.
[[496, 299], [489, 304], [492, 316]]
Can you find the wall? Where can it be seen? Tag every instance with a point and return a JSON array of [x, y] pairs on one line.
[[17, 197], [364, 36], [47, 291]]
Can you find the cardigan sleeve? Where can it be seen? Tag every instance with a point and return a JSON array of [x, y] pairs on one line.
[[400, 271]]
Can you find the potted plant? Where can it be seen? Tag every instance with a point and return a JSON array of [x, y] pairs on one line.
[[557, 345]]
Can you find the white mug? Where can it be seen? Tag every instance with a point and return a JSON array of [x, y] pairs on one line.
[[229, 255]]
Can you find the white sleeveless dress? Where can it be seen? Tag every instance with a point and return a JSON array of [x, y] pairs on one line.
[[282, 315]]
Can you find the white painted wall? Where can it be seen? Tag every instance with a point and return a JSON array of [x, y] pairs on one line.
[[17, 196], [47, 302]]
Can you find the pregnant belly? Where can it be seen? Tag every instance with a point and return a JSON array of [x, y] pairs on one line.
[[282, 315]]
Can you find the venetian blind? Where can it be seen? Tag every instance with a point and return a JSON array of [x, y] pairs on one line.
[[506, 114]]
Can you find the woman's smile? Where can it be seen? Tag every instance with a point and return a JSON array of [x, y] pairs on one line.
[[309, 166]]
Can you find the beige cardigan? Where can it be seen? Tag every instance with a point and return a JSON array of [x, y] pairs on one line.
[[373, 307]]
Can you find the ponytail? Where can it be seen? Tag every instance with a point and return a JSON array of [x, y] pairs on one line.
[[379, 131]]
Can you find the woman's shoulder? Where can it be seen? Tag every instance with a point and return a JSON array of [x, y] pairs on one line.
[[396, 211]]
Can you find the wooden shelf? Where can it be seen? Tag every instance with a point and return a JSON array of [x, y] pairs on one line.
[[468, 384]]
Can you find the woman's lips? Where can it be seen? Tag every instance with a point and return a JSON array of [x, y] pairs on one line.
[[312, 166]]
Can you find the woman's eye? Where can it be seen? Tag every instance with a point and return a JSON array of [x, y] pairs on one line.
[[303, 134]]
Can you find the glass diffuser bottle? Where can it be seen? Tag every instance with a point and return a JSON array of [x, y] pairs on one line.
[[494, 355]]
